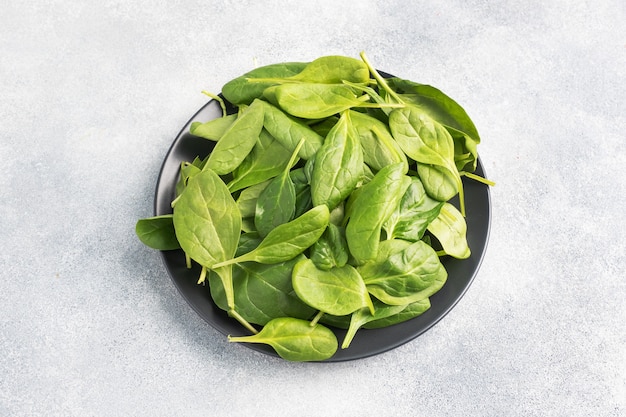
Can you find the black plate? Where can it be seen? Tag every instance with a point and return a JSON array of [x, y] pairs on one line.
[[366, 343]]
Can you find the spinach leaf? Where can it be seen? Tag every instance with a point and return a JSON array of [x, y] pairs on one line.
[[243, 89], [208, 224], [425, 141], [338, 165], [263, 292], [238, 140], [446, 111], [316, 101], [289, 131], [288, 240], [157, 232], [363, 316], [267, 159], [248, 197], [336, 291], [413, 215], [439, 182], [450, 230], [277, 202], [408, 312], [333, 69], [188, 170], [371, 208], [331, 250], [379, 147], [404, 276], [295, 339], [213, 129]]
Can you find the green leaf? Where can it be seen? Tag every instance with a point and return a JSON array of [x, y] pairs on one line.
[[408, 312], [446, 111], [289, 131], [213, 129], [288, 240], [450, 229], [295, 340], [338, 165], [208, 223], [363, 316], [333, 69], [379, 147], [243, 89], [439, 182], [403, 274], [371, 208], [263, 292], [248, 197], [331, 250], [237, 141], [267, 159], [336, 291], [157, 232], [316, 101], [414, 213], [276, 204]]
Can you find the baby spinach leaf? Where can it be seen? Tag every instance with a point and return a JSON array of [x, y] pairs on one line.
[[263, 292], [421, 138], [267, 159], [333, 69], [289, 131], [237, 141], [372, 206], [408, 312], [426, 141], [277, 202], [439, 182], [379, 147], [247, 242], [450, 230], [405, 276], [243, 89], [294, 339], [336, 291], [187, 170], [363, 316], [248, 197], [303, 198], [338, 165], [446, 111], [288, 240], [413, 215], [207, 220], [316, 101], [331, 250], [213, 129], [157, 232], [208, 224]]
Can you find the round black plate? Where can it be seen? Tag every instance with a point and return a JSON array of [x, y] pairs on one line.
[[366, 343]]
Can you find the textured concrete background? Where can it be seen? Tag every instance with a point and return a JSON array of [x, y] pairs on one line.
[[93, 93]]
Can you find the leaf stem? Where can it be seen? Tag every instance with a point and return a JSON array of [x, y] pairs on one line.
[[381, 81], [243, 321], [478, 178], [202, 275], [317, 318], [218, 99]]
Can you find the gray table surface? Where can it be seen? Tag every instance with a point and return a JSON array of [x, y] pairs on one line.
[[92, 95]]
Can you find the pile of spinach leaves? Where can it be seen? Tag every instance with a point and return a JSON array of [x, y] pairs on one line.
[[325, 202]]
